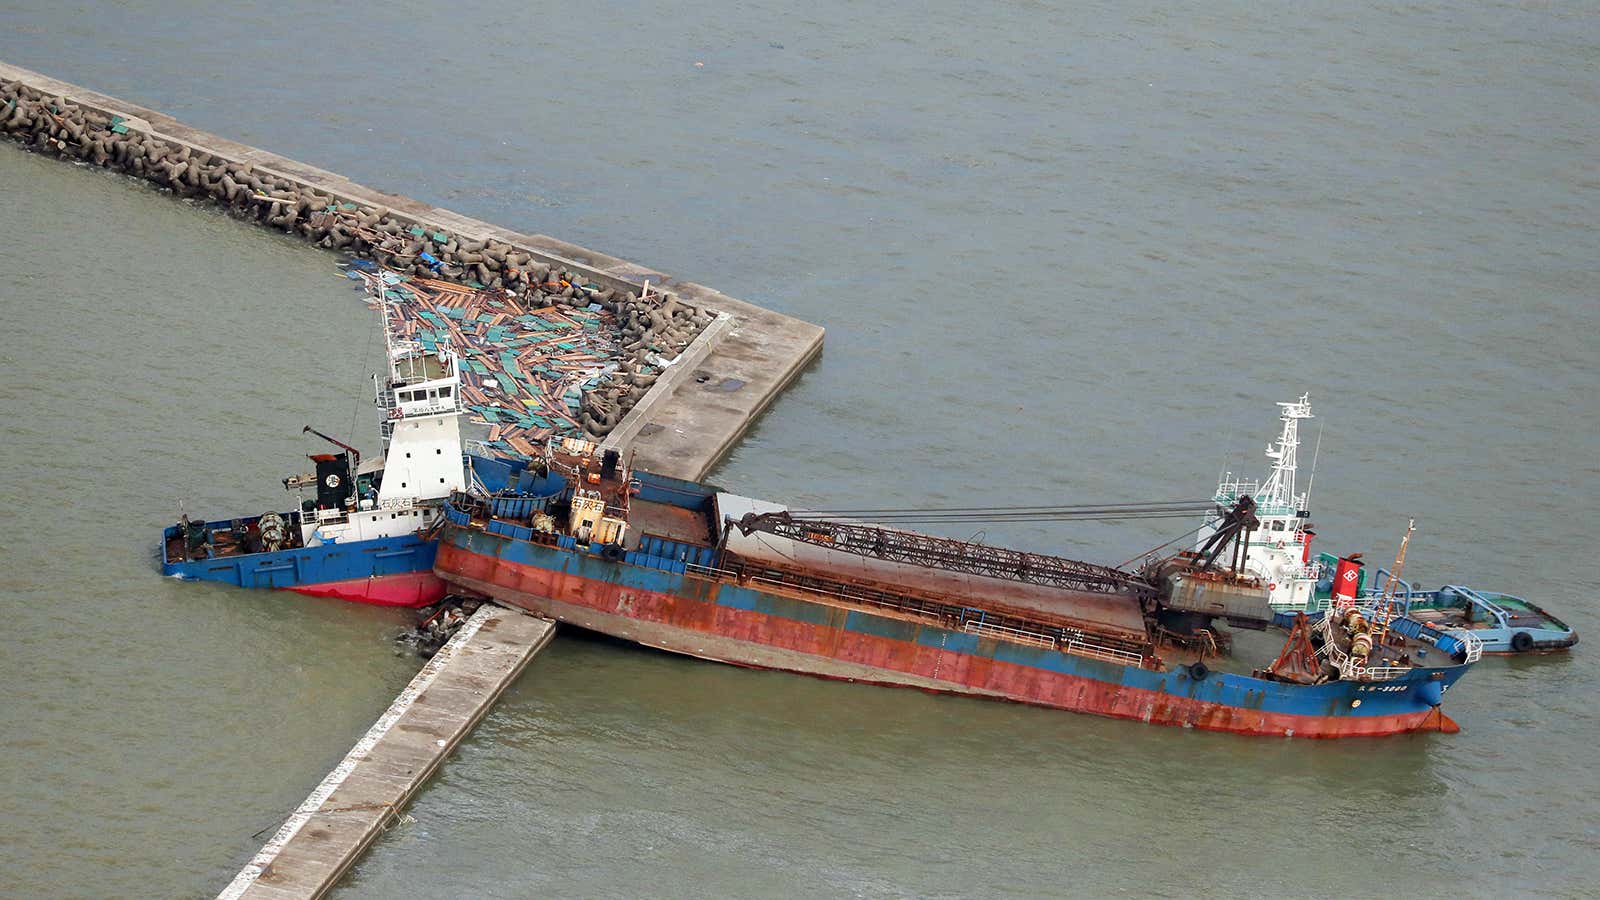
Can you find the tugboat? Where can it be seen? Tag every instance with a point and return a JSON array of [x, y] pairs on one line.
[[690, 569], [1278, 555], [367, 533]]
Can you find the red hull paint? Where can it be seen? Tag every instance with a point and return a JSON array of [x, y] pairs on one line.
[[1277, 725], [753, 639], [408, 589]]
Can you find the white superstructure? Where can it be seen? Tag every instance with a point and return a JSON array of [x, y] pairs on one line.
[[422, 463], [422, 436], [1277, 552]]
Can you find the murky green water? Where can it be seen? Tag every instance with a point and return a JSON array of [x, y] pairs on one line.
[[1061, 254]]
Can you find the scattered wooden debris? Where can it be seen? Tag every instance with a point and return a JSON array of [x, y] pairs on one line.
[[523, 372]]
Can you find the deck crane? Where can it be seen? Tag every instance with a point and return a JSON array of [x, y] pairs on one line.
[[355, 455], [946, 553]]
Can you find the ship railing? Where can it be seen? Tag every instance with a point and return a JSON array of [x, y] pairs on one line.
[[475, 487], [1076, 645], [864, 596], [1314, 605], [331, 517], [1016, 635], [1330, 648], [1350, 671], [1081, 647], [1474, 644], [1074, 642], [462, 508], [1311, 571], [1231, 489]]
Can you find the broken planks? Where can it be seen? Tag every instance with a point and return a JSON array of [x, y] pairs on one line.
[[523, 371]]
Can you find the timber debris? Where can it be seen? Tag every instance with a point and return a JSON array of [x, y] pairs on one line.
[[529, 374]]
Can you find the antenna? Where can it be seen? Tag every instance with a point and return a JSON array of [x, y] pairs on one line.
[[1315, 452], [1278, 491], [366, 353], [1222, 470]]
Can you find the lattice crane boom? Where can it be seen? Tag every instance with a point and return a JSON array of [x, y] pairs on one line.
[[946, 553]]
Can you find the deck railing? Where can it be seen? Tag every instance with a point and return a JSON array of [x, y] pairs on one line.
[[941, 614], [1102, 652], [1349, 669], [331, 517], [1017, 635]]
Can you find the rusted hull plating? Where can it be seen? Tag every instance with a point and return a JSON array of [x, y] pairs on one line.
[[726, 622]]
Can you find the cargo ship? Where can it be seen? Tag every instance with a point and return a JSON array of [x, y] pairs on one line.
[[366, 532], [691, 569]]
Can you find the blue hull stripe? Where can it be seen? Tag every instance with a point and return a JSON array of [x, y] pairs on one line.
[[306, 566], [1401, 696]]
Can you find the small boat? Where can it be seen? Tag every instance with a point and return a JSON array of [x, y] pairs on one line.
[[1279, 556], [1505, 624]]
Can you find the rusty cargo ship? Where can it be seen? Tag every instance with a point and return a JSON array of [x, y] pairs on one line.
[[690, 569]]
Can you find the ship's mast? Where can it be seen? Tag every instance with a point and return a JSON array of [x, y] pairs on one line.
[[421, 431], [1278, 491], [1390, 600]]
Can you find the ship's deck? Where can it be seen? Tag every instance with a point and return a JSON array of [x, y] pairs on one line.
[[1519, 614], [1113, 613], [1029, 608], [668, 521], [230, 537]]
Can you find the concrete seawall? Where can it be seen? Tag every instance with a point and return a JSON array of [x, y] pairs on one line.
[[678, 427], [366, 791]]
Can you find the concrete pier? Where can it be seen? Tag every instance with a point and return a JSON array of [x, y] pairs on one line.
[[681, 427], [364, 794]]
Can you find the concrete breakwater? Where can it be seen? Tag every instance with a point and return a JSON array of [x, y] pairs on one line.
[[655, 325], [366, 791], [740, 357]]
